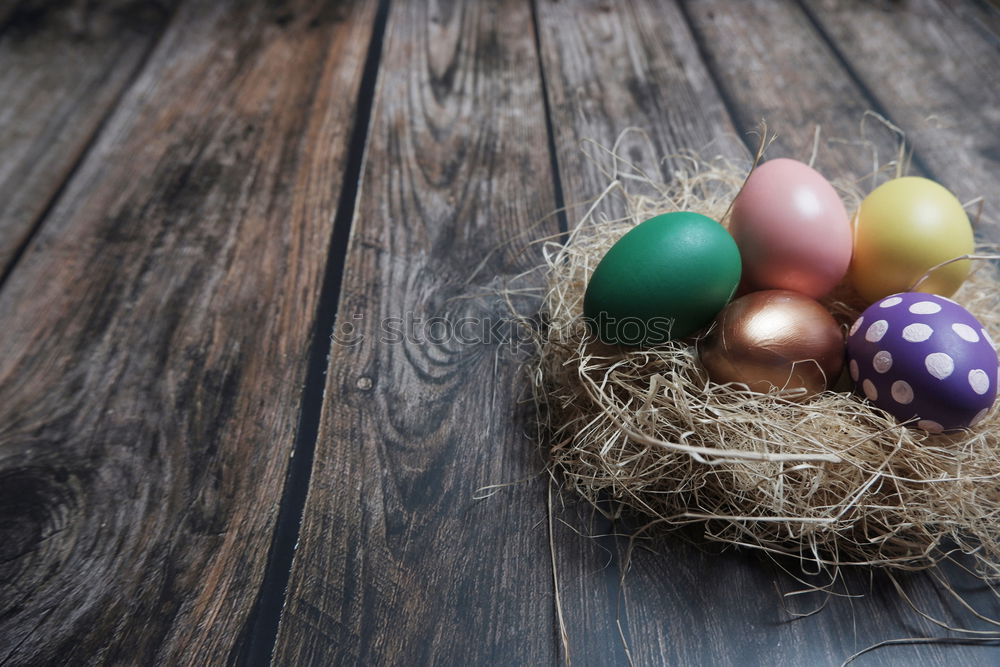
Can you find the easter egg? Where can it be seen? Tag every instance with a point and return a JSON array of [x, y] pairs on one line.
[[904, 228], [774, 339], [924, 357], [666, 278], [792, 229]]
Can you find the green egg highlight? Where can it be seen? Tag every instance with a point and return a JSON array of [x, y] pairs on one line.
[[665, 279]]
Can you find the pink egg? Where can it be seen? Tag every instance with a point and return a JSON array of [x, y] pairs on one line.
[[792, 229]]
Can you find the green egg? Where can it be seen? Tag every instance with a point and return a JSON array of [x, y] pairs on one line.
[[666, 278]]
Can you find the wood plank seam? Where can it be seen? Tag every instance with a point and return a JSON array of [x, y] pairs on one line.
[[91, 141], [876, 104], [665, 78], [188, 254], [550, 132], [795, 84], [563, 220], [934, 67], [398, 562], [257, 639], [728, 102]]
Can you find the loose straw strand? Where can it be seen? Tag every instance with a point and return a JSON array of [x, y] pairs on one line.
[[563, 634]]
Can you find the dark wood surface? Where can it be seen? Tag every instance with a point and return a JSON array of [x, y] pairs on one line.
[[155, 334], [63, 71], [936, 73], [210, 453], [750, 48], [391, 535]]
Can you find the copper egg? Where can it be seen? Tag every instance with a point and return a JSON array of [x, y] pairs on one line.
[[775, 339]]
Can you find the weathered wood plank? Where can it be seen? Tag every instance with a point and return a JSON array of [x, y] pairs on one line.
[[62, 69], [937, 77], [616, 65], [155, 335], [397, 563], [770, 63], [610, 66], [680, 604]]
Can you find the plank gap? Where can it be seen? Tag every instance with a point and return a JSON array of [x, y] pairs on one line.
[[257, 640], [728, 102], [550, 131], [38, 222], [455, 178], [866, 92]]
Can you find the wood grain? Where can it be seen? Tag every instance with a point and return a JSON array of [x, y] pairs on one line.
[[64, 68], [612, 65], [155, 335], [771, 64], [937, 77], [397, 562]]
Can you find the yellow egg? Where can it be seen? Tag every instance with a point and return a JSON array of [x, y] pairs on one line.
[[904, 228]]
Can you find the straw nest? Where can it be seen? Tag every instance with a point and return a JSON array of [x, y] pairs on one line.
[[831, 480]]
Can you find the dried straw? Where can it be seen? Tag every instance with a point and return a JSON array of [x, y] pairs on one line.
[[831, 480]]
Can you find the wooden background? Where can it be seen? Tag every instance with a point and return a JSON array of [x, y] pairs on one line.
[[195, 196]]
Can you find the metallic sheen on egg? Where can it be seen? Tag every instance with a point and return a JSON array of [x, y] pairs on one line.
[[775, 339]]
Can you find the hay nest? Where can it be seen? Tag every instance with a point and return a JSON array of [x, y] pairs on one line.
[[831, 480]]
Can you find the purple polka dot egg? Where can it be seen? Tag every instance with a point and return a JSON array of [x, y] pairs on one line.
[[923, 357]]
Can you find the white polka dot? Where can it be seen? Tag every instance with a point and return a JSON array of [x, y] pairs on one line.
[[917, 333], [965, 332], [979, 381], [980, 416], [876, 331], [856, 326], [890, 302], [854, 370], [930, 426], [870, 391], [925, 308], [989, 339], [882, 361], [902, 392], [939, 364]]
